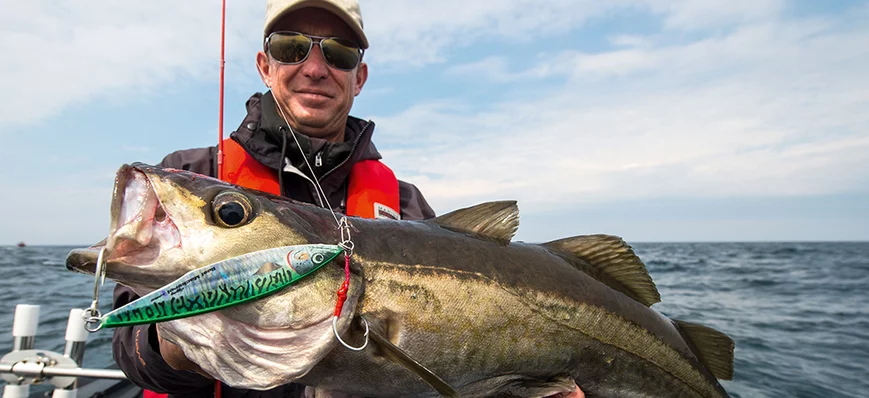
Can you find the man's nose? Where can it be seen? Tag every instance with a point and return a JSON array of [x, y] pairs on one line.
[[315, 67]]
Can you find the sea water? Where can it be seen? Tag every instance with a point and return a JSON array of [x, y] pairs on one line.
[[798, 312]]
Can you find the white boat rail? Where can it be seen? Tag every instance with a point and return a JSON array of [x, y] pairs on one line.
[[25, 366]]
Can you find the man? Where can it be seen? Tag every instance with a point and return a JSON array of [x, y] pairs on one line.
[[298, 133]]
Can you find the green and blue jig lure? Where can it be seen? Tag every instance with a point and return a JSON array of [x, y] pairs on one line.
[[220, 285]]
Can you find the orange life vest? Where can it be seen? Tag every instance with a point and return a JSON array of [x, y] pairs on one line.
[[371, 193]]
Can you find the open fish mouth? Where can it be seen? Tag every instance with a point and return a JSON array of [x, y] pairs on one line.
[[140, 228]]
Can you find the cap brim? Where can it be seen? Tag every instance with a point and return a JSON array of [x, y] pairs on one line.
[[360, 35]]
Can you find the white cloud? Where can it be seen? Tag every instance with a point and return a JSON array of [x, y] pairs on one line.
[[629, 41], [693, 14], [728, 99], [413, 33], [58, 54], [773, 107]]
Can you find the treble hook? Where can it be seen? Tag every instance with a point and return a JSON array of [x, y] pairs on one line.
[[92, 315], [335, 329]]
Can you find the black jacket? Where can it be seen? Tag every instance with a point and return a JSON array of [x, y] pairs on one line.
[[262, 135]]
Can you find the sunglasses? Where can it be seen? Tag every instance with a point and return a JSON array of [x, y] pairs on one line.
[[292, 48]]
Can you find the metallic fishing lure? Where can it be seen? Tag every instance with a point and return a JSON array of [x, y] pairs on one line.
[[220, 285]]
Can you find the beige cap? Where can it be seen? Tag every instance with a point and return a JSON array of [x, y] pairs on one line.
[[347, 10]]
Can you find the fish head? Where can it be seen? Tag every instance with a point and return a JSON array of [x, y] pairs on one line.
[[166, 222]]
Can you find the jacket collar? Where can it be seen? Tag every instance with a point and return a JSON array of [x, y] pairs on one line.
[[262, 133]]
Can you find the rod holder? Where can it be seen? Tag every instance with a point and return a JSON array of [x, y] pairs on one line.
[[76, 340], [24, 326], [24, 365], [76, 336], [15, 391], [61, 393]]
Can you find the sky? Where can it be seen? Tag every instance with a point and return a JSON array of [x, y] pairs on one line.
[[653, 120]]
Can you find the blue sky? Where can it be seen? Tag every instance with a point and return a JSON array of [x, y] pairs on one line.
[[653, 120]]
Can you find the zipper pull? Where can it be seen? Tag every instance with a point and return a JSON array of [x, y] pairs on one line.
[[318, 159]]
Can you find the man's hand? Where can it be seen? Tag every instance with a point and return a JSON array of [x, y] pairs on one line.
[[576, 394], [174, 356]]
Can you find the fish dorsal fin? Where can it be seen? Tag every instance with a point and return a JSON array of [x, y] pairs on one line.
[[399, 356], [495, 221], [612, 256], [713, 348]]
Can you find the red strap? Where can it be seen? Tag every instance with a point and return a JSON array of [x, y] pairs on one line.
[[152, 394]]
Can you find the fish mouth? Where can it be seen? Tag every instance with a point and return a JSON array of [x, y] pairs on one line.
[[140, 228], [84, 260]]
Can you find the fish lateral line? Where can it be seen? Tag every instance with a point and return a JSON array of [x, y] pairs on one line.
[[224, 284]]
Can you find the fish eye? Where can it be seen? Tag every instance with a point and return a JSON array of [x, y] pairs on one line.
[[231, 209], [317, 258]]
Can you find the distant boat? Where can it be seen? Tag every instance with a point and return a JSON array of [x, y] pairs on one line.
[[21, 244]]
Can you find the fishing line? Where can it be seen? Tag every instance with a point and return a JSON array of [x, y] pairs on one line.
[[319, 189], [346, 240]]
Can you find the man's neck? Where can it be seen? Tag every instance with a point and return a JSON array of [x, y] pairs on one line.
[[331, 137], [334, 134]]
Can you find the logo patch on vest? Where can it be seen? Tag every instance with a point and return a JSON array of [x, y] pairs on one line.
[[384, 211]]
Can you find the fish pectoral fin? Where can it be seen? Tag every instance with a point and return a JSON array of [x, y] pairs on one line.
[[515, 385], [714, 349], [494, 221], [401, 357], [616, 259], [555, 385]]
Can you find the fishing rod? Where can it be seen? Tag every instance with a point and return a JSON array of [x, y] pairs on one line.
[[220, 111]]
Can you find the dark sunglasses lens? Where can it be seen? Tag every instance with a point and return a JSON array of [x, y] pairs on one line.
[[289, 48], [342, 54]]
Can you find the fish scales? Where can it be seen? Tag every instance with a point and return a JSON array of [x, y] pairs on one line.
[[520, 299]]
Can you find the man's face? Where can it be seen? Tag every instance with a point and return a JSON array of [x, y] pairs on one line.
[[315, 98]]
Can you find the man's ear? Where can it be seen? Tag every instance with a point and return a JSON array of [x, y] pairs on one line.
[[264, 68], [361, 77]]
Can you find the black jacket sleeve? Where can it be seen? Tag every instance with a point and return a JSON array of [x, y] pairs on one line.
[[197, 160], [413, 204]]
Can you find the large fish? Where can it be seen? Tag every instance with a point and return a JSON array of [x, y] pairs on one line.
[[453, 305]]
